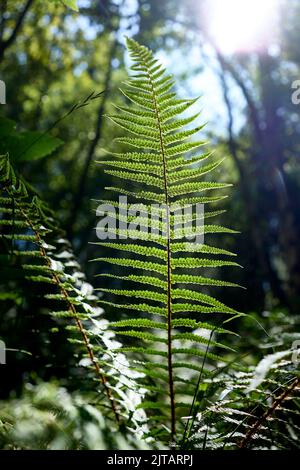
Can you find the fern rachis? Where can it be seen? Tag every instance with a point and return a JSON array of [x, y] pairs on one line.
[[169, 259]]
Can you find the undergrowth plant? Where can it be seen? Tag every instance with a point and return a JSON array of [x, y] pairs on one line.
[[37, 252], [257, 407]]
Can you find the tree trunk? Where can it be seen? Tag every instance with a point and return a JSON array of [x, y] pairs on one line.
[[81, 192]]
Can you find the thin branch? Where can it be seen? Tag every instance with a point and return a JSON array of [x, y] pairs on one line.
[[194, 408], [3, 9], [81, 104]]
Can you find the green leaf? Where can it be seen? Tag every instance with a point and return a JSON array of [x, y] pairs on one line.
[[24, 146], [70, 4], [7, 127]]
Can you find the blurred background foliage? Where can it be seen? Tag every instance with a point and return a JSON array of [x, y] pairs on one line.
[[52, 57], [48, 417]]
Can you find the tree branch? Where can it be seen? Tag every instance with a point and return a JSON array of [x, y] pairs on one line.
[[19, 23]]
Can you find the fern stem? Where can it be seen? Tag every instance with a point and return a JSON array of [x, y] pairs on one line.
[[170, 365], [193, 409], [169, 263], [259, 422], [73, 311]]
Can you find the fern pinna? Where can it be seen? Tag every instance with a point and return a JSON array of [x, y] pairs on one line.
[[170, 314]]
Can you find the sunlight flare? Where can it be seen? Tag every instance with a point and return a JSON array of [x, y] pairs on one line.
[[243, 26]]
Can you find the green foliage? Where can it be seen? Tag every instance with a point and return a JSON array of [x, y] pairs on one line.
[[48, 417], [257, 407], [36, 250], [181, 359], [72, 4]]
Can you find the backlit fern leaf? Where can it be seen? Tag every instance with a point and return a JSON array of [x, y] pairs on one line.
[[160, 165]]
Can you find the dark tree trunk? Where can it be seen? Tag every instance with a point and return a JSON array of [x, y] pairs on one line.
[[81, 192], [5, 44], [276, 180], [268, 273]]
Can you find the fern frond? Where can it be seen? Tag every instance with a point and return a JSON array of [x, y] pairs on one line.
[[165, 160]]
